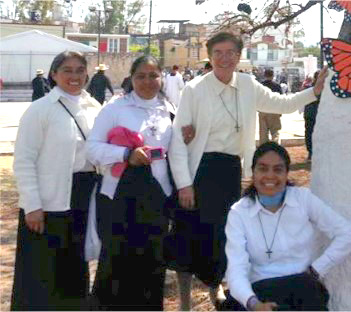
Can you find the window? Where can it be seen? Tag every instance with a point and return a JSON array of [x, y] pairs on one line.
[[113, 45], [194, 52], [253, 54], [272, 55]]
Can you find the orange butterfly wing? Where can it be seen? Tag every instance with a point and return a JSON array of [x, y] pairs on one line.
[[338, 55]]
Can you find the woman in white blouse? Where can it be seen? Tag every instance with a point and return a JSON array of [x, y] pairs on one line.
[[274, 261], [131, 209], [54, 183]]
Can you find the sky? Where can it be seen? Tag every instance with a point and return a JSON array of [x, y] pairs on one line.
[[204, 13]]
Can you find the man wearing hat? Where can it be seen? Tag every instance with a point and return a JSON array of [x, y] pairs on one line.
[[40, 85], [98, 84]]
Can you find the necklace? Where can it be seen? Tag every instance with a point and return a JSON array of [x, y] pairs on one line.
[[237, 127], [269, 249]]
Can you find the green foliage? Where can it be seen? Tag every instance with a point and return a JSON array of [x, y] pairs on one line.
[[311, 50], [123, 15], [137, 48], [44, 8]]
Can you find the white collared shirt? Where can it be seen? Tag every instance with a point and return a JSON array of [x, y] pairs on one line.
[[295, 245], [223, 136], [135, 114]]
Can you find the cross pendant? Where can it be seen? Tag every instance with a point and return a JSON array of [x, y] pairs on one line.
[[269, 252], [153, 130], [237, 128]]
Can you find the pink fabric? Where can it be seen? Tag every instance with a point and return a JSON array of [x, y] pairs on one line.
[[123, 137]]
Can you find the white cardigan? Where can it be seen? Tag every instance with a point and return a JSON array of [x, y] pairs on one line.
[[45, 151], [196, 109]]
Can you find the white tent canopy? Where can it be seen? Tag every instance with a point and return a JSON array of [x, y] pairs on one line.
[[23, 53]]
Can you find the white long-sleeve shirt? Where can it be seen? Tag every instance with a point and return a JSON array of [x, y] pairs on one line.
[[295, 246], [48, 150], [138, 115], [196, 108]]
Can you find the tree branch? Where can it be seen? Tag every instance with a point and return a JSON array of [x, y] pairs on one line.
[[309, 4]]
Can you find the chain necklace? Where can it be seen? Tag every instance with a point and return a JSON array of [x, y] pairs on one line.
[[237, 127], [269, 249]]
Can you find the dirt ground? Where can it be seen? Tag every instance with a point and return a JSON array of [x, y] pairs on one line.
[[300, 174]]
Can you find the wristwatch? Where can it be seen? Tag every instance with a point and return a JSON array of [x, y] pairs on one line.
[[251, 302]]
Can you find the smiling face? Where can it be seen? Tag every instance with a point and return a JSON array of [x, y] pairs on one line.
[[270, 174], [71, 76], [224, 58], [146, 80]]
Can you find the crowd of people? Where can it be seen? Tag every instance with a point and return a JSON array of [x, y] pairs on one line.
[[157, 176]]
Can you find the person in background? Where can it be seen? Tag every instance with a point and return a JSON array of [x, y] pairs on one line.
[[40, 85], [55, 182], [207, 68], [99, 83], [273, 254], [221, 107], [131, 209], [270, 123], [310, 115], [173, 85]]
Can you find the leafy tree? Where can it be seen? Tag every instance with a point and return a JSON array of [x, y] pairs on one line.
[[123, 14], [43, 9], [137, 48]]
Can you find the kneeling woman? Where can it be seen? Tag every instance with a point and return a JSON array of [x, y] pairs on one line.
[[131, 217], [273, 255]]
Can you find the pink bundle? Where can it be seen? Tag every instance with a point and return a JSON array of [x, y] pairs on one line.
[[123, 137]]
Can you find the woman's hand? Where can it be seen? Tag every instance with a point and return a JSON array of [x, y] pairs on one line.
[[188, 133], [318, 87], [35, 221], [138, 157], [187, 197], [265, 306]]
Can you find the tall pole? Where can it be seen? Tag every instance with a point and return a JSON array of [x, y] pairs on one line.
[[149, 39], [321, 55], [99, 33]]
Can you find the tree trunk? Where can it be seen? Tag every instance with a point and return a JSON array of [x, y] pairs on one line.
[[345, 31]]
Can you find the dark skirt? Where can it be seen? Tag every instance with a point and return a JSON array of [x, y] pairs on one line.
[[197, 240], [298, 292], [132, 227], [50, 270]]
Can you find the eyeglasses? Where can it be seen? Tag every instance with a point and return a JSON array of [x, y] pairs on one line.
[[228, 54]]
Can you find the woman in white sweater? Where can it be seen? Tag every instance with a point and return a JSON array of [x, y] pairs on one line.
[[54, 183], [273, 255], [131, 208]]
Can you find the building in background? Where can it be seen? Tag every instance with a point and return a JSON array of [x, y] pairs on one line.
[[109, 43]]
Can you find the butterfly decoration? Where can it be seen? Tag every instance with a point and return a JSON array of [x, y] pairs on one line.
[[340, 5], [338, 56]]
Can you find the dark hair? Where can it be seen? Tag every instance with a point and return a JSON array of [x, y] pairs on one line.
[[222, 37], [145, 59], [268, 73], [264, 148], [208, 65], [60, 59], [175, 67]]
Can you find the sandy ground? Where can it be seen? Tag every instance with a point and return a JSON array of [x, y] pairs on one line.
[[300, 173]]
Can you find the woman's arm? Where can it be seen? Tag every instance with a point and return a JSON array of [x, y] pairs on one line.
[[238, 259], [30, 136], [99, 151], [335, 226]]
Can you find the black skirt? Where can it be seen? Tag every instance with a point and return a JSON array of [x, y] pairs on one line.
[[298, 292], [132, 228], [197, 240], [50, 270]]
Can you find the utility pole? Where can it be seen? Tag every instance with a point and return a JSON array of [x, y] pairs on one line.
[[99, 35], [149, 39], [321, 55]]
